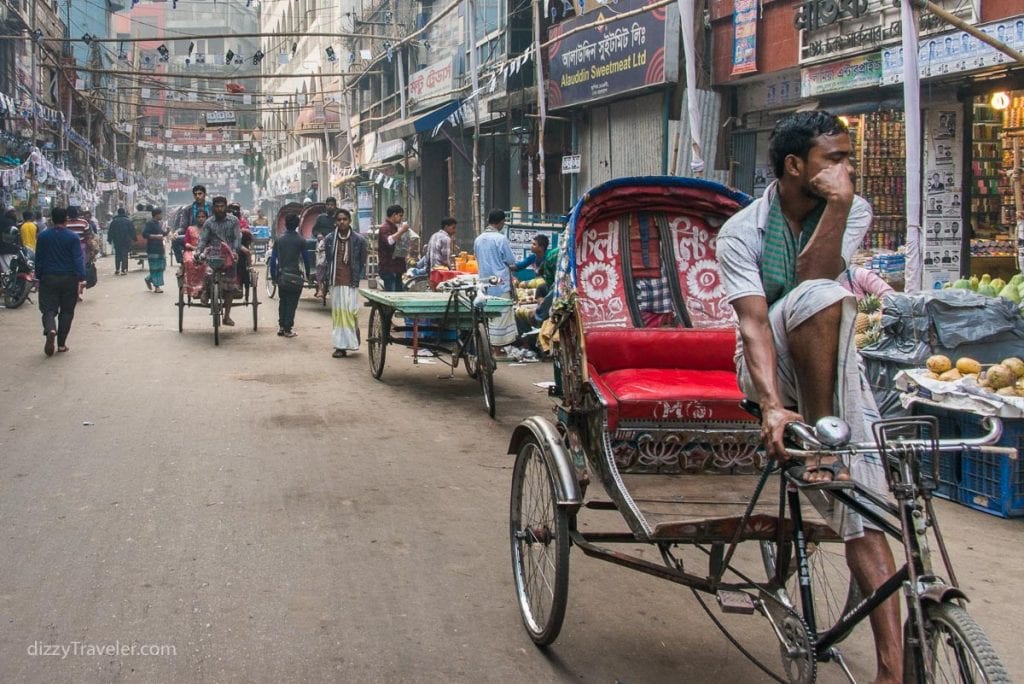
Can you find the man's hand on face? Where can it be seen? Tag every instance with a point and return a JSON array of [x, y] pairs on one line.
[[834, 184], [773, 428]]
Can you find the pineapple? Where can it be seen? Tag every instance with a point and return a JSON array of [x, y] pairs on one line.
[[870, 304], [863, 323]]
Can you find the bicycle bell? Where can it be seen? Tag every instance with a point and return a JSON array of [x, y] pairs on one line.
[[832, 431]]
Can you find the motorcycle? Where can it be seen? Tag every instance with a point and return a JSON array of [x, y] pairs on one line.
[[18, 280]]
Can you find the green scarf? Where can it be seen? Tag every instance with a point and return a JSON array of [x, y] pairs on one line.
[[781, 249]]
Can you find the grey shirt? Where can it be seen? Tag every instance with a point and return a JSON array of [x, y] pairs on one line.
[[741, 240], [228, 231]]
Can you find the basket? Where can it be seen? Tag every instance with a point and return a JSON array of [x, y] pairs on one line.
[[215, 262], [993, 483]]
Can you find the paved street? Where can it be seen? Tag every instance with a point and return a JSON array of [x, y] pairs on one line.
[[267, 513]]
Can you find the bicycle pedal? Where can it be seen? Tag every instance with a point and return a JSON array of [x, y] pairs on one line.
[[735, 602]]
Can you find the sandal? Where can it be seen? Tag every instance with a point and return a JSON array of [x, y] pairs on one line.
[[840, 474], [339, 353], [289, 333], [63, 349]]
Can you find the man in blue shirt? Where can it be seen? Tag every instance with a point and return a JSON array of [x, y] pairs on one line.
[[494, 258], [60, 269]]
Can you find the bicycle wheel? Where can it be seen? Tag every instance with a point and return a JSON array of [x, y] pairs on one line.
[[539, 536], [215, 304], [271, 285], [959, 651], [485, 366], [469, 353], [833, 587], [377, 340]]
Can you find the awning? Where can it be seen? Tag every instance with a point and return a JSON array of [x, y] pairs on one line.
[[420, 123]]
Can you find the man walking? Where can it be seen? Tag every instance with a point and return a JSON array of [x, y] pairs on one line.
[[494, 258], [345, 252], [390, 265], [284, 269], [156, 253], [121, 235], [60, 268]]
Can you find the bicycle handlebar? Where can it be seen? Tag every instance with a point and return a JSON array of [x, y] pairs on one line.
[[820, 440]]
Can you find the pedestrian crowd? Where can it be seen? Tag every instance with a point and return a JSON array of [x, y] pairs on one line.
[[334, 258]]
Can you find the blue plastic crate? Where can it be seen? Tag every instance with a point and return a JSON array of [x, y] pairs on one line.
[[993, 483], [948, 486], [428, 330]]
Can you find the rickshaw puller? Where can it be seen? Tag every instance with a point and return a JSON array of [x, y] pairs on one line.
[[779, 260], [222, 228]]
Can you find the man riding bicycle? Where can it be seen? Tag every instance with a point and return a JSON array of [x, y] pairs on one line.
[[779, 260], [222, 229]]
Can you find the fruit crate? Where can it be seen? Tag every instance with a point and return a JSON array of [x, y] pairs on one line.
[[993, 483]]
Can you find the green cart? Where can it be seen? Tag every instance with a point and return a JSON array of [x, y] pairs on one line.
[[452, 325]]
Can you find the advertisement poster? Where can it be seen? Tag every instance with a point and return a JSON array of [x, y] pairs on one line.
[[952, 53], [614, 58], [744, 41], [942, 229], [364, 209], [863, 71]]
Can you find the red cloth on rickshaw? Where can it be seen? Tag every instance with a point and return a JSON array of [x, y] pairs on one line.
[[195, 273]]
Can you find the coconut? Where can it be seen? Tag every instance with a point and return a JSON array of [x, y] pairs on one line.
[[1015, 365], [939, 363], [999, 376]]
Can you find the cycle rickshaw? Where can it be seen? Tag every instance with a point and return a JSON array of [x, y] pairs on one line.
[[650, 409], [208, 284]]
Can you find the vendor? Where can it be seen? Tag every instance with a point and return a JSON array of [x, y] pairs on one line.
[[541, 259], [863, 282]]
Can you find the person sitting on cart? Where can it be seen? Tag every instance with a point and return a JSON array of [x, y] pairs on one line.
[[779, 260], [193, 270], [324, 224], [222, 229]]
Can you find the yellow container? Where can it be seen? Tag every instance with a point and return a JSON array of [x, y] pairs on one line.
[[471, 265]]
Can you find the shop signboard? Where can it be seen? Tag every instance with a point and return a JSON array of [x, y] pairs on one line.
[[956, 52], [608, 60], [862, 71], [431, 83], [744, 38], [942, 227], [571, 164], [832, 29], [364, 208], [224, 118]]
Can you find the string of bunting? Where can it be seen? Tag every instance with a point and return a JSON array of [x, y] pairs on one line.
[[510, 68]]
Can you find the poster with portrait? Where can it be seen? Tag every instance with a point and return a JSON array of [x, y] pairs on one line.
[[942, 229]]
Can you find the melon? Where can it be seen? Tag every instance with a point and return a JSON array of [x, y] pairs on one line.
[[999, 376], [967, 365], [939, 363], [1015, 365]]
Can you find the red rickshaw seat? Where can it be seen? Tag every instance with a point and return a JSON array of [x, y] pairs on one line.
[[665, 375]]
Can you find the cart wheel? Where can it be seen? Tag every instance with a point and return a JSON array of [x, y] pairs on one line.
[[539, 534], [215, 310], [181, 305], [377, 339], [468, 355], [834, 589], [271, 285], [485, 365]]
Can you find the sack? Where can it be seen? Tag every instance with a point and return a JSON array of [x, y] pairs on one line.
[[288, 280], [402, 245], [90, 275]]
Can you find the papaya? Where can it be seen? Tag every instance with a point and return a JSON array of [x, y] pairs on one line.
[[939, 363], [952, 375], [974, 282], [1015, 365], [999, 376]]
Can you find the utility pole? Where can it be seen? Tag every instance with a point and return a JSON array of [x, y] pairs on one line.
[[473, 67], [538, 70], [399, 55]]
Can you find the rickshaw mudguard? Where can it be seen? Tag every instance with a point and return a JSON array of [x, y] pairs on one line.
[[567, 488]]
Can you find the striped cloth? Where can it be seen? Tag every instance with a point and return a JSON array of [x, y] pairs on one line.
[[781, 249]]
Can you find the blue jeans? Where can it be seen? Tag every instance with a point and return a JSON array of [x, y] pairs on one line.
[[392, 282]]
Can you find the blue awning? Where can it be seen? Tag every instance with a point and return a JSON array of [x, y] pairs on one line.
[[420, 123]]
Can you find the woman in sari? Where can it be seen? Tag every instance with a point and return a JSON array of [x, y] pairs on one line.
[[195, 273]]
